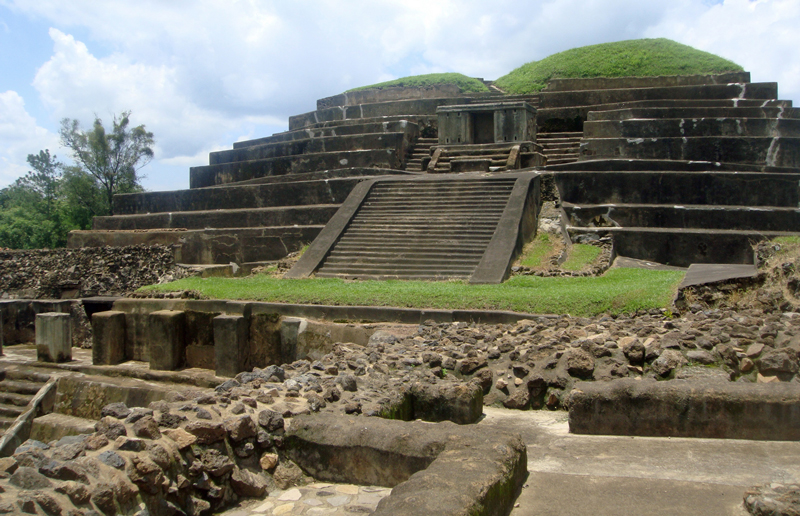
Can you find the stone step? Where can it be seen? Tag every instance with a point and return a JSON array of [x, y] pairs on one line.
[[665, 165], [560, 99], [361, 262], [681, 247], [344, 143], [570, 144], [227, 173], [780, 152], [389, 275], [424, 119], [465, 217], [689, 216], [560, 160], [208, 246], [463, 245], [558, 136], [6, 422], [434, 254], [407, 108], [20, 386], [11, 411], [401, 268], [316, 192], [690, 128], [358, 127], [694, 113], [680, 188], [201, 219], [24, 374], [694, 103], [14, 398]]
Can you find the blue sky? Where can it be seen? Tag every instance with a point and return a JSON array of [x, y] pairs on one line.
[[202, 74]]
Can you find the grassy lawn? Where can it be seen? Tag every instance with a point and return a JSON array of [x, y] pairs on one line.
[[633, 58], [535, 252], [467, 84], [580, 256], [618, 291]]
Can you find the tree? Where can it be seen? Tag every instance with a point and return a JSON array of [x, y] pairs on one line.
[[113, 159], [30, 211], [44, 179]]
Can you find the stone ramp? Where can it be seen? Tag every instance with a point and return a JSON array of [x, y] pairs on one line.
[[450, 226]]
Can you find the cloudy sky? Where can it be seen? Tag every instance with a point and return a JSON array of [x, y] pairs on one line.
[[202, 74]]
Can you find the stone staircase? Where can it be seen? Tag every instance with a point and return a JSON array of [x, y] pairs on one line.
[[17, 389], [499, 156], [419, 153], [420, 230], [560, 148]]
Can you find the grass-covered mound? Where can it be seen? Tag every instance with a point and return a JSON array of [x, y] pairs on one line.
[[466, 84], [632, 58]]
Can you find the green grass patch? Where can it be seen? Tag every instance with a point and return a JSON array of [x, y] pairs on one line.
[[466, 84], [789, 240], [632, 58], [618, 291], [537, 251], [580, 256]]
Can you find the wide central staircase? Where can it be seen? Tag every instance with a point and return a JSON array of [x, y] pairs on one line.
[[420, 230]]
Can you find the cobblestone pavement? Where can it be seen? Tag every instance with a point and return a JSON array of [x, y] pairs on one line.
[[315, 499]]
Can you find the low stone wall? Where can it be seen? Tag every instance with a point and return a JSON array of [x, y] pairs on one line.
[[441, 469], [353, 98], [718, 410]]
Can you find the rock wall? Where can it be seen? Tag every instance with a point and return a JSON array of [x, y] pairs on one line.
[[71, 273]]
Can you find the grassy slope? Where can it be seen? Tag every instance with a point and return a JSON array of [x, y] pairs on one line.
[[618, 291], [639, 57], [467, 84]]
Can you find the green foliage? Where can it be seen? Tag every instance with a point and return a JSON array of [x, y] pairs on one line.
[[632, 58], [30, 211], [618, 291], [580, 256], [39, 209], [466, 84], [114, 158]]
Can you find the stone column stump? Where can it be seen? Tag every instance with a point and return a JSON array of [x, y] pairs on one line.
[[108, 338], [53, 337], [230, 344], [166, 341]]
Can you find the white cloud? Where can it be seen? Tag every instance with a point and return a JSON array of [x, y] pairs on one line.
[[19, 136], [761, 36], [205, 73]]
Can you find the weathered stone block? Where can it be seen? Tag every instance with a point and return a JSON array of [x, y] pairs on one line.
[[166, 339], [53, 337], [230, 344], [108, 338]]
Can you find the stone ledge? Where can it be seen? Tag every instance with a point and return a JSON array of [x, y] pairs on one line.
[[436, 469], [769, 412]]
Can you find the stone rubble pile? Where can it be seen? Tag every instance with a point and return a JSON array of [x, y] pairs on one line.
[[86, 272], [773, 500]]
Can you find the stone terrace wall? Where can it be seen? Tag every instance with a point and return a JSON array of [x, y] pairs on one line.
[[57, 273]]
